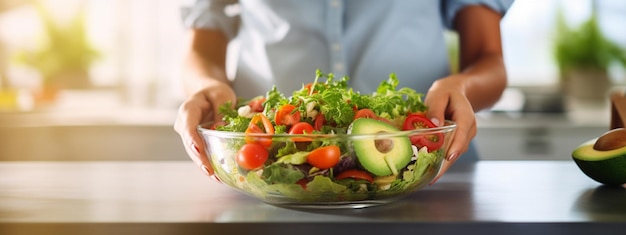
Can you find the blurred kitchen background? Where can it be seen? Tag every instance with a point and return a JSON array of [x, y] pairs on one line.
[[99, 80]]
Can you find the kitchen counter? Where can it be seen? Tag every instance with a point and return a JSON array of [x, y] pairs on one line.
[[490, 197]]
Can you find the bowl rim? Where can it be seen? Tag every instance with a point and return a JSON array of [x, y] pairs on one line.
[[448, 126]]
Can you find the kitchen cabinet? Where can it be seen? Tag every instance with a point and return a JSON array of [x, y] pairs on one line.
[[533, 143], [90, 142], [534, 136], [128, 136]]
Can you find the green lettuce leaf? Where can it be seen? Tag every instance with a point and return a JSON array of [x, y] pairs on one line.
[[278, 173], [298, 158]]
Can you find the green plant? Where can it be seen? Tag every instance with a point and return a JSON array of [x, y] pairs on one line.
[[585, 47], [452, 44], [64, 50]]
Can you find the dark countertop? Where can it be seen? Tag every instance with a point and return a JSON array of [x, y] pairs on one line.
[[166, 196]]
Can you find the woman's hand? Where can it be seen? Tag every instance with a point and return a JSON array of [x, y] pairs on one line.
[[199, 108], [480, 83], [446, 100], [206, 83]]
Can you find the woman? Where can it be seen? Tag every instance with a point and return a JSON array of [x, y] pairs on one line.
[[246, 47]]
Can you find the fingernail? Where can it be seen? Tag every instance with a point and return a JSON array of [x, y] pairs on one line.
[[216, 179], [195, 148], [452, 157], [434, 181], [435, 121], [206, 170]]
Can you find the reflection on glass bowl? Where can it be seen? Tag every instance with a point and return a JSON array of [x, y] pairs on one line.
[[328, 171]]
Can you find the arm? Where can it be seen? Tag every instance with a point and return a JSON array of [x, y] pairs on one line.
[[481, 55], [207, 87], [480, 83], [205, 60]]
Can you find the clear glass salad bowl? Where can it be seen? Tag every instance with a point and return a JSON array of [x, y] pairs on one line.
[[373, 167]]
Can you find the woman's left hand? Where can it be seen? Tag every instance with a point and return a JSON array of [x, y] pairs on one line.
[[446, 100], [480, 83]]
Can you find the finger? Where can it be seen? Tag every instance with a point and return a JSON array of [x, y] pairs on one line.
[[460, 141], [218, 97], [189, 116], [437, 105], [463, 115], [465, 120], [459, 146]]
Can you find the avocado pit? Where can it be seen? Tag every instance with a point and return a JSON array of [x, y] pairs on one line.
[[383, 145], [380, 155], [611, 140], [602, 159]]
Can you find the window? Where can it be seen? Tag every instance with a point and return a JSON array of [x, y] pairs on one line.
[[528, 34], [139, 44]]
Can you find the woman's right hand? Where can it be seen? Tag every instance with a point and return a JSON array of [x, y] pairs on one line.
[[201, 107]]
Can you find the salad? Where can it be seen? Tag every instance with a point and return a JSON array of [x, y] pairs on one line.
[[301, 146]]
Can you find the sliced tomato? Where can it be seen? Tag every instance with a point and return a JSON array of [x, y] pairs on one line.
[[259, 120], [287, 115], [320, 120], [302, 182], [355, 174], [365, 113], [324, 157], [368, 113], [431, 142], [252, 156], [418, 121], [301, 128], [385, 120], [256, 105]]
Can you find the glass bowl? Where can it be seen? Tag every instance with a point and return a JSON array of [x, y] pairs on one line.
[[288, 179]]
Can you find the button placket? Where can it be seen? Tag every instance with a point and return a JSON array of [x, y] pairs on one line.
[[335, 28]]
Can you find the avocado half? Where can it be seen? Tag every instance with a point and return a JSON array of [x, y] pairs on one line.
[[381, 156], [606, 167]]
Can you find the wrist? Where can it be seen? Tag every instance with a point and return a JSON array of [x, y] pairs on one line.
[[198, 84]]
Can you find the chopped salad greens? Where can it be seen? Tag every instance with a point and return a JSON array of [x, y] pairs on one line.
[[328, 167]]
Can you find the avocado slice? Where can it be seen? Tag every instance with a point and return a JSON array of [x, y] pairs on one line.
[[606, 167], [383, 156]]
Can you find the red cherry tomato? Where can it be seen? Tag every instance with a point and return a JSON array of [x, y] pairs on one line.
[[365, 113], [308, 87], [355, 174], [256, 105], [368, 113], [418, 121], [301, 128], [252, 156], [324, 157], [254, 128], [287, 115], [320, 120]]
